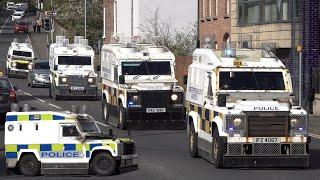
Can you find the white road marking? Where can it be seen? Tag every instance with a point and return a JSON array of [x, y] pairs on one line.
[[54, 106], [102, 124], [4, 25], [40, 100], [27, 94], [314, 135]]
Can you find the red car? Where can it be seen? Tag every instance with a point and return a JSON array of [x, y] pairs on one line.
[[21, 27]]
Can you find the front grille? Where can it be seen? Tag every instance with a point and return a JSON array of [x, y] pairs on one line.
[[155, 99], [266, 149], [128, 148], [22, 66], [77, 81], [235, 149], [268, 124]]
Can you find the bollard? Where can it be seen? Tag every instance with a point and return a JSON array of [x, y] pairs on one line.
[[26, 107], [74, 109]]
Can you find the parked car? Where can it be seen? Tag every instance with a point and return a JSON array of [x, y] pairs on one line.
[[39, 74], [23, 6], [8, 96], [16, 17], [10, 6], [21, 27]]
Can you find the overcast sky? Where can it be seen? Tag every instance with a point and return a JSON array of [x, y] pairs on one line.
[[183, 12]]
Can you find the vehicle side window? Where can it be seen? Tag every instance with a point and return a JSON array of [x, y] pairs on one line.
[[69, 131], [209, 92]]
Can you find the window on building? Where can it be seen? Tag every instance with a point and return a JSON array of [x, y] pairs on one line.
[[228, 7], [208, 8], [203, 5], [262, 11]]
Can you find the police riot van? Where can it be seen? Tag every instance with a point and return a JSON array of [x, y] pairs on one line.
[[72, 69], [240, 110], [47, 142], [139, 86], [20, 59]]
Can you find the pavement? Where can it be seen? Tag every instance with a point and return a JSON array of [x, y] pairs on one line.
[[163, 154]]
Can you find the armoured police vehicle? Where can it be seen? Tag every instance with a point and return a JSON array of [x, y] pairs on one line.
[[20, 58], [241, 113], [72, 69], [139, 86], [46, 142]]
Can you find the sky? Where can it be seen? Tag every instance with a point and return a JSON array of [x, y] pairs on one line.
[[183, 13]]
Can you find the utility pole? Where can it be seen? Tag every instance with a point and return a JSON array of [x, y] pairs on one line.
[[85, 19], [198, 25], [132, 18], [52, 23]]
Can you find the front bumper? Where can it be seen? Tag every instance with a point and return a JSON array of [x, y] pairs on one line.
[[290, 153], [15, 71], [128, 160], [41, 81], [173, 117], [90, 91]]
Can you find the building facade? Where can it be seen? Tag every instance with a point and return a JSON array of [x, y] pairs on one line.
[[214, 22]]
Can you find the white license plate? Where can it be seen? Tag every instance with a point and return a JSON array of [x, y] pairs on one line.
[[156, 110], [266, 140], [76, 88]]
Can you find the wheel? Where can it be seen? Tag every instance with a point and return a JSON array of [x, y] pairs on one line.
[[28, 82], [103, 164], [105, 111], [8, 73], [122, 118], [193, 142], [55, 96], [29, 165], [218, 149]]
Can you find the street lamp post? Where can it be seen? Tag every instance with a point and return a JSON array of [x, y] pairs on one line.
[[85, 18]]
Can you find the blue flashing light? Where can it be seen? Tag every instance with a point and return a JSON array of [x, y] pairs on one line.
[[231, 129], [300, 129]]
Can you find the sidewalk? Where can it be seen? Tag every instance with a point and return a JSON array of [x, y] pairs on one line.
[[39, 44]]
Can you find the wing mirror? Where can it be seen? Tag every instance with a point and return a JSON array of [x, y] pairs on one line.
[[222, 100], [55, 67], [98, 68], [122, 79]]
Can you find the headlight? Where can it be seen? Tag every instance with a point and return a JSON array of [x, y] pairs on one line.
[[64, 80], [90, 80], [174, 97], [30, 66], [294, 122], [13, 64], [237, 122]]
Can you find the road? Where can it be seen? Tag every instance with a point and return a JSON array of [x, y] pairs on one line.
[[162, 153]]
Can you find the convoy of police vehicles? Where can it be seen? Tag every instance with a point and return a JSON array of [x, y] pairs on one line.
[[72, 69], [240, 111], [139, 85]]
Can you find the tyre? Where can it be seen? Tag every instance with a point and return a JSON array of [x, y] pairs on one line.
[[55, 96], [218, 149], [29, 165], [122, 118], [8, 73], [193, 142], [105, 111], [28, 83], [103, 164]]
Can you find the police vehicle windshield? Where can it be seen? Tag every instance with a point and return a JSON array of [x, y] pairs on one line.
[[251, 81], [22, 53], [74, 60], [146, 68], [89, 126]]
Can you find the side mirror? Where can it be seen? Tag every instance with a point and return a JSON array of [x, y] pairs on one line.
[[122, 79], [222, 100], [98, 68], [55, 67]]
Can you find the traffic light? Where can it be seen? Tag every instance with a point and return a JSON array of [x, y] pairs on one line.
[[47, 24]]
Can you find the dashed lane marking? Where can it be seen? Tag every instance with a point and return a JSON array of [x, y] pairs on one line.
[[4, 25], [54, 106], [40, 99], [27, 94]]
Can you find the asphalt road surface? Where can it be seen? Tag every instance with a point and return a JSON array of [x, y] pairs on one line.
[[162, 153]]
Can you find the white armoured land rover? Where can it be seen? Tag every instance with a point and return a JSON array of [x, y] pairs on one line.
[[240, 111], [20, 58], [71, 69], [139, 86]]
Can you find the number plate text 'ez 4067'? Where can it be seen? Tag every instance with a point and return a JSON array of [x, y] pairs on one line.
[[266, 140], [156, 110]]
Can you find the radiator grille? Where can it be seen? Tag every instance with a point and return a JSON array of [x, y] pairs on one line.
[[22, 66], [268, 124], [155, 99]]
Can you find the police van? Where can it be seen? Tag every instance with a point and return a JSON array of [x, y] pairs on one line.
[[72, 69], [139, 86], [20, 58], [240, 110], [47, 142]]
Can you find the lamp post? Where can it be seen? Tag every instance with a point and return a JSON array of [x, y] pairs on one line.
[[85, 19]]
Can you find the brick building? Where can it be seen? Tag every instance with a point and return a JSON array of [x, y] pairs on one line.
[[214, 17], [108, 20]]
